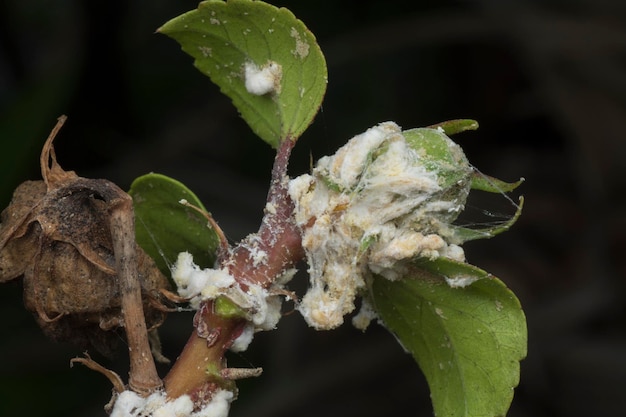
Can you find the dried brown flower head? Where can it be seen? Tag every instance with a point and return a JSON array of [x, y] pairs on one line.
[[56, 233]]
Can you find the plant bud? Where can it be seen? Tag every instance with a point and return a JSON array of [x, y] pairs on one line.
[[385, 198]]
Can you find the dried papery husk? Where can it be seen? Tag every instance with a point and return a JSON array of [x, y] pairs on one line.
[[56, 234]]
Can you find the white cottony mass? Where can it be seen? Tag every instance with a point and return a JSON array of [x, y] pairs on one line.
[[262, 80], [131, 404], [371, 208]]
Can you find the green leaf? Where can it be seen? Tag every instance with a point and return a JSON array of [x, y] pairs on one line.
[[484, 182], [451, 270], [459, 234], [164, 227], [452, 127], [468, 341], [226, 37]]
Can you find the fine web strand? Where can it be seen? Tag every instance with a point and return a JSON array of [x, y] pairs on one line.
[[494, 217], [168, 263], [494, 185]]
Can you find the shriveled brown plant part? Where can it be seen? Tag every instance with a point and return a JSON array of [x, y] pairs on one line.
[[72, 241]]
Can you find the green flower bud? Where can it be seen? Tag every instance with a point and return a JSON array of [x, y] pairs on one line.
[[440, 155]]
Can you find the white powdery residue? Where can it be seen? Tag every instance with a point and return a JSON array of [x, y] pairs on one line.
[[345, 167], [161, 407], [218, 281], [311, 198], [443, 207], [341, 221], [321, 310], [372, 207], [241, 343], [431, 245], [395, 184], [302, 48], [188, 276], [390, 249], [264, 308], [205, 51], [299, 190], [273, 314], [454, 252], [284, 277], [334, 286], [259, 257], [196, 283], [400, 171], [130, 404], [460, 281], [365, 315], [263, 80], [270, 208], [218, 406]]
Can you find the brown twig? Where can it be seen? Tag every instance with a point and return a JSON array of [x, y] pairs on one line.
[[115, 379], [143, 377]]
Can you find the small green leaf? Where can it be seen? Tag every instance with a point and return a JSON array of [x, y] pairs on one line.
[[468, 341], [460, 234], [452, 127], [164, 227], [484, 182], [225, 307], [228, 38]]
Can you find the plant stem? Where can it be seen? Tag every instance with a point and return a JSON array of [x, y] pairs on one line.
[[193, 371], [143, 377], [197, 370], [278, 235]]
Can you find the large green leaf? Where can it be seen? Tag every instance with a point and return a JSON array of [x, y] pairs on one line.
[[468, 340], [164, 227], [225, 38]]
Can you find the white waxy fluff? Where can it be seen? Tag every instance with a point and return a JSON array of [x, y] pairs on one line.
[[357, 212], [262, 80]]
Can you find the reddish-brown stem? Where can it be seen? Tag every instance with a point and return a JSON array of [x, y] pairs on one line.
[[192, 372], [279, 238]]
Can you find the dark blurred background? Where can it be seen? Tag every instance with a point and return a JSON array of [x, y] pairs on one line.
[[545, 79]]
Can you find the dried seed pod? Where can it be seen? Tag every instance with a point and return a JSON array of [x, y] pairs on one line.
[[56, 234]]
